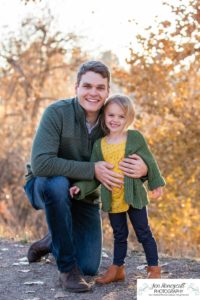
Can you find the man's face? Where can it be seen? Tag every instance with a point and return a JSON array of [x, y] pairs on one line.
[[92, 92]]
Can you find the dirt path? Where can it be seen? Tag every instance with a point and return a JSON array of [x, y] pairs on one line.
[[39, 281]]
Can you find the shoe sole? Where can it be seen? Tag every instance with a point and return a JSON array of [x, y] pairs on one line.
[[73, 290], [101, 283], [77, 290]]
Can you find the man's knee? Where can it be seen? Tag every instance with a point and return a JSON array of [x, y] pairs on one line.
[[55, 187]]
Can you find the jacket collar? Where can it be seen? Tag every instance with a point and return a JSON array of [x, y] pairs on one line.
[[81, 116]]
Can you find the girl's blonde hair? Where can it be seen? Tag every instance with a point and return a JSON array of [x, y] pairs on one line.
[[126, 105]]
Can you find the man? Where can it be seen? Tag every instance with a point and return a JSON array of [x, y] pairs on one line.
[[60, 154]]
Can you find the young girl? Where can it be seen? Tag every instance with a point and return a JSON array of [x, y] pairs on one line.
[[131, 199]]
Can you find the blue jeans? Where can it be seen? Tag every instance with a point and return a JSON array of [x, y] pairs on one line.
[[139, 221], [75, 226]]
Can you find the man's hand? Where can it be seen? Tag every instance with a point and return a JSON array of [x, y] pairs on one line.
[[104, 173], [134, 166], [156, 193], [74, 190]]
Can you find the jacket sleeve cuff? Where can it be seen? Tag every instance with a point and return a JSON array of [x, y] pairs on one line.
[[156, 183]]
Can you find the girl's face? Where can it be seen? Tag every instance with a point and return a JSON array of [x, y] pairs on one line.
[[115, 118]]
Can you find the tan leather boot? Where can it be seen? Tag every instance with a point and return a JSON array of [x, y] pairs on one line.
[[114, 273], [153, 272]]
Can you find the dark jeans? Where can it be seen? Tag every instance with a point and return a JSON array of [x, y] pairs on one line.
[[139, 220], [75, 226]]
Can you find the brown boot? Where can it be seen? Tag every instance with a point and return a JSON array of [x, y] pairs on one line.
[[73, 281], [39, 249], [114, 273], [153, 272]]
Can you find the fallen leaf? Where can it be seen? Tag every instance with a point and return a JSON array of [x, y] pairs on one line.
[[19, 246], [36, 298], [60, 295], [164, 264], [104, 254], [24, 271], [47, 261], [142, 267], [21, 263], [33, 282], [23, 259]]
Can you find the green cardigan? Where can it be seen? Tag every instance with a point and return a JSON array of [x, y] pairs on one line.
[[134, 190]]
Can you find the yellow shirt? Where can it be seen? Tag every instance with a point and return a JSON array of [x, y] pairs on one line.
[[114, 153]]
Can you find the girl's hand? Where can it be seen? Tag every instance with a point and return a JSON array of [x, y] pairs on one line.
[[157, 193], [74, 190]]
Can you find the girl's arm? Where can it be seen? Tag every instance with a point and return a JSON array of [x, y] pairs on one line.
[[155, 178]]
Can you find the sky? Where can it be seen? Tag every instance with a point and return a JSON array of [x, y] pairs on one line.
[[104, 24]]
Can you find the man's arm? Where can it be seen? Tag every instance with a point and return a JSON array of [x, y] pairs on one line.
[[44, 156], [133, 167], [104, 173]]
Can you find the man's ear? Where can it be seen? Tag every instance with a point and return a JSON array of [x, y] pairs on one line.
[[75, 88]]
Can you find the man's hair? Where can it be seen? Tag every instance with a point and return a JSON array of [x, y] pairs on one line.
[[126, 105], [93, 66]]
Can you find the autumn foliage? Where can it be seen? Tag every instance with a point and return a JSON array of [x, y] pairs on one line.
[[163, 79]]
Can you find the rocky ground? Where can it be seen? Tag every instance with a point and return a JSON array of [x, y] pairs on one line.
[[20, 280]]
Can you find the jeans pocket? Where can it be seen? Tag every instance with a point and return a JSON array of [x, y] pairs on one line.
[[29, 190]]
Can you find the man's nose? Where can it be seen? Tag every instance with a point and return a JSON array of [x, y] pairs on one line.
[[93, 91]]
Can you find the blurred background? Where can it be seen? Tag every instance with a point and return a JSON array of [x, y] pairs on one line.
[[153, 51]]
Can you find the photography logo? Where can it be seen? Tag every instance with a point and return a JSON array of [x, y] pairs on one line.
[[165, 289]]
